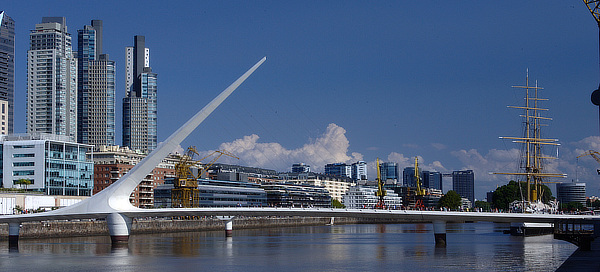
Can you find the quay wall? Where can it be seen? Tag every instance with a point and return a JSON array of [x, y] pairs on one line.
[[53, 229]]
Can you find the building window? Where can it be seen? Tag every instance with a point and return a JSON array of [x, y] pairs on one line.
[[20, 164], [28, 155], [23, 173]]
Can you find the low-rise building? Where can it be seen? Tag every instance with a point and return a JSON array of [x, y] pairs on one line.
[[46, 163], [336, 185], [359, 197], [14, 202], [112, 162], [217, 193], [296, 195]]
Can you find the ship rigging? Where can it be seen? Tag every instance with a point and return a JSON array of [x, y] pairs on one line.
[[532, 158]]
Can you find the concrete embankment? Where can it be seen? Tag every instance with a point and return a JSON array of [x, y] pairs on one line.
[[51, 229]]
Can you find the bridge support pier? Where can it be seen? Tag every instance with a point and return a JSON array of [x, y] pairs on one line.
[[118, 227], [439, 231], [13, 234], [228, 225]]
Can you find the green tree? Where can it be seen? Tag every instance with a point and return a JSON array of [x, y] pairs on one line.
[[512, 191], [450, 200], [571, 206], [593, 204], [484, 205], [23, 182], [337, 204]]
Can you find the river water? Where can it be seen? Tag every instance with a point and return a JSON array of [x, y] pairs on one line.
[[389, 247]]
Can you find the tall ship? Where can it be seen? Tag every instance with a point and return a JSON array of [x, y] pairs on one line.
[[532, 173]]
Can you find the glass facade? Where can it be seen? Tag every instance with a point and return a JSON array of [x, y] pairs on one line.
[[140, 111], [463, 182], [96, 89], [7, 71], [432, 180], [68, 170], [389, 171], [51, 80], [54, 167]]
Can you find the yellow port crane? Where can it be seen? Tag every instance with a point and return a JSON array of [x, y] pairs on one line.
[[594, 154], [185, 193], [380, 189], [420, 190]]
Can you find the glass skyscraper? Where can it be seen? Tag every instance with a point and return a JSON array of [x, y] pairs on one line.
[[140, 102], [7, 73], [432, 180], [463, 182], [96, 88], [51, 80]]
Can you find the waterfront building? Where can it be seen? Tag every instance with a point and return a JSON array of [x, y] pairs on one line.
[[112, 162], [432, 180], [14, 203], [51, 163], [296, 195], [96, 88], [571, 192], [359, 170], [389, 172], [140, 102], [463, 182], [336, 186], [51, 80], [338, 169], [359, 197], [216, 193], [466, 203], [7, 73], [230, 172], [300, 168]]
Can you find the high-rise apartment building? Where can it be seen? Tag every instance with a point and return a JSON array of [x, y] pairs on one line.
[[463, 182], [7, 73], [389, 172], [51, 80], [96, 88], [140, 102]]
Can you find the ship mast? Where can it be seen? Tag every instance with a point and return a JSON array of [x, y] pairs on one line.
[[532, 157]]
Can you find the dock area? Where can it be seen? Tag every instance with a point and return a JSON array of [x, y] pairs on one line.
[[583, 260]]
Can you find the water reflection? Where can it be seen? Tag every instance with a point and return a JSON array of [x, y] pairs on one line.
[[475, 246]]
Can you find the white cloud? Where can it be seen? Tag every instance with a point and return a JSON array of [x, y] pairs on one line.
[[583, 169], [438, 146], [330, 147]]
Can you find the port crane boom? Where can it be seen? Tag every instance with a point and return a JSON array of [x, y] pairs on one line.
[[594, 155]]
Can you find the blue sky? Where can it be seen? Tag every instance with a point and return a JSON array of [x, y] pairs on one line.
[[350, 80]]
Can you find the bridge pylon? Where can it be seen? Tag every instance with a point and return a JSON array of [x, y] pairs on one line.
[[439, 231]]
